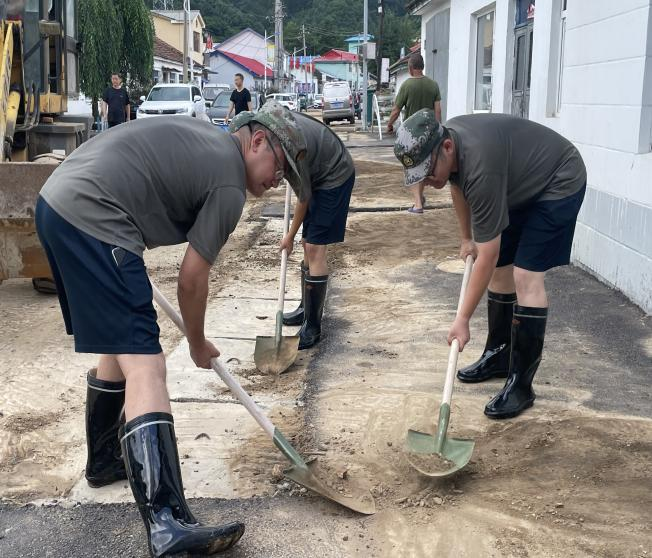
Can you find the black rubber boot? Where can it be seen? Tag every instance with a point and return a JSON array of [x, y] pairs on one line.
[[315, 290], [295, 317], [104, 402], [528, 332], [150, 451], [494, 362]]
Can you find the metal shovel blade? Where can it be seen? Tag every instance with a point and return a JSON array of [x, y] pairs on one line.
[[438, 456], [305, 474], [273, 355], [271, 358]]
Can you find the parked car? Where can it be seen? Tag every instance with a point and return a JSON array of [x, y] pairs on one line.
[[220, 107], [318, 103], [338, 102], [211, 90], [181, 99], [288, 100]]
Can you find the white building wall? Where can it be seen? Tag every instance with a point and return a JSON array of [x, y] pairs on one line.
[[606, 111]]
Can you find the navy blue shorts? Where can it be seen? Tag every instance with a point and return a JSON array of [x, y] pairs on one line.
[[104, 292], [325, 221], [540, 236]]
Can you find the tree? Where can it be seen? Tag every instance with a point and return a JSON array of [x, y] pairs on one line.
[[137, 55], [115, 36], [100, 35]]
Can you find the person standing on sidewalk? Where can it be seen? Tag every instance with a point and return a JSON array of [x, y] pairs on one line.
[[418, 92], [101, 208], [240, 98], [517, 187], [324, 193], [115, 103]]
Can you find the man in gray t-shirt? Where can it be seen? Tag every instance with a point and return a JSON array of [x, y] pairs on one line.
[[327, 179], [149, 183], [517, 188]]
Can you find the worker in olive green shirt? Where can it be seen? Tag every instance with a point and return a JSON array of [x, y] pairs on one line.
[[418, 92]]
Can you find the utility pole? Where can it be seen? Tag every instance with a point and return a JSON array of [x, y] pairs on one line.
[[305, 66], [379, 45], [265, 69], [365, 84], [278, 41], [185, 40]]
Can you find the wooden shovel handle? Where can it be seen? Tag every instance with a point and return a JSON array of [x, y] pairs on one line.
[[455, 345], [221, 370], [284, 253]]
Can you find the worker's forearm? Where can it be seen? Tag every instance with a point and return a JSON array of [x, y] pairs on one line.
[[394, 115], [438, 114], [192, 295], [463, 212], [483, 270], [300, 210]]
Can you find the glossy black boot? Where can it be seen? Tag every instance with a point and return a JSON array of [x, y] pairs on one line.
[[149, 447], [494, 362], [295, 317], [104, 402], [315, 295], [528, 332]]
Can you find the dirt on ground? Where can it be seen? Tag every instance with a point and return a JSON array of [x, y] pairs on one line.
[[561, 480]]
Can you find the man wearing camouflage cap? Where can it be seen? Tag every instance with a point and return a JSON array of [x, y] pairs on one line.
[[517, 187], [149, 183], [323, 183]]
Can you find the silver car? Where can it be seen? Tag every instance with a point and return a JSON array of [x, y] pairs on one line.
[[220, 107], [338, 102]]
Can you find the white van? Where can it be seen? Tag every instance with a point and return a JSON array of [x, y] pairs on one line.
[[338, 102]]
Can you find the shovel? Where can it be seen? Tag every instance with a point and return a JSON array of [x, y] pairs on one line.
[[274, 355], [439, 455], [300, 472]]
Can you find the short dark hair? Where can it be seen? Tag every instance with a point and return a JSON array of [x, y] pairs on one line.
[[116, 74], [416, 61], [240, 76]]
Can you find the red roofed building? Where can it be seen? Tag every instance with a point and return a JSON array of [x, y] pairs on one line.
[[340, 65], [224, 65]]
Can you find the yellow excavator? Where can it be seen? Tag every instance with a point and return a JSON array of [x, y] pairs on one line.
[[38, 72]]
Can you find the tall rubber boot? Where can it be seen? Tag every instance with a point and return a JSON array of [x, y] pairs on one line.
[[494, 362], [528, 332], [104, 402], [149, 447], [315, 290], [295, 317]]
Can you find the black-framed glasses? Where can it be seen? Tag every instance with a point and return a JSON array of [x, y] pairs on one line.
[[434, 166], [279, 173]]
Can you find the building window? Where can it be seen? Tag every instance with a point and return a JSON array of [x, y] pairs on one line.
[[484, 61], [196, 41], [562, 48]]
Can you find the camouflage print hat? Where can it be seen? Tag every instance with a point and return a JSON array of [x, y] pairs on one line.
[[278, 120], [415, 141]]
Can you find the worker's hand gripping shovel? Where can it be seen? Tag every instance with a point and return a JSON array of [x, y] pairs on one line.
[[274, 355], [300, 472], [439, 455]]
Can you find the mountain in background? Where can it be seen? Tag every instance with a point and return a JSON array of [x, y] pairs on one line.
[[327, 22]]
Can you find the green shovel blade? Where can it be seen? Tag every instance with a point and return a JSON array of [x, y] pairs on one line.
[[438, 456], [306, 474]]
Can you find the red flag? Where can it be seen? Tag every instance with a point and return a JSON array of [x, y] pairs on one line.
[[209, 43]]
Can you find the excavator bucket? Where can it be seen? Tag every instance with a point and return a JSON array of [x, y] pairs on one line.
[[21, 254]]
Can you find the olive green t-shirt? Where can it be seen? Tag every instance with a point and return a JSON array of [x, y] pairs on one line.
[[153, 182], [505, 162], [416, 94]]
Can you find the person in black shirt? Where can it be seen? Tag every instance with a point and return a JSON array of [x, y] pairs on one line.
[[240, 97], [115, 106]]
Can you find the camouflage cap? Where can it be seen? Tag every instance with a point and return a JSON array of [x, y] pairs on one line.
[[415, 141], [280, 121]]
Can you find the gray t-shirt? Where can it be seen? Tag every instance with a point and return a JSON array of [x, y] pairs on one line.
[[505, 162], [328, 164], [154, 182]]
